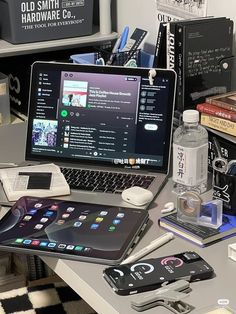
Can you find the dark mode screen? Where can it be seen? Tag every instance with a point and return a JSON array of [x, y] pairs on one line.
[[114, 118]]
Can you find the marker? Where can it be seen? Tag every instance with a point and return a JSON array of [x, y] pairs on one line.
[[149, 248], [114, 51]]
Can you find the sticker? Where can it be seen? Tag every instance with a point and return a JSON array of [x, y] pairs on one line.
[[3, 89]]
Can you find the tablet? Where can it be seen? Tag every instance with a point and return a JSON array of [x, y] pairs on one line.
[[71, 230]]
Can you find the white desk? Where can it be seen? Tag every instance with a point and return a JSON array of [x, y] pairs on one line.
[[86, 278]]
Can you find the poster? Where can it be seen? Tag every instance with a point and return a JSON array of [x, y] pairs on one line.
[[180, 9]]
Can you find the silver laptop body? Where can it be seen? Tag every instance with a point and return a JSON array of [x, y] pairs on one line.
[[101, 118]]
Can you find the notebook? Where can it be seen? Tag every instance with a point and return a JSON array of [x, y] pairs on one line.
[[111, 124], [71, 230]]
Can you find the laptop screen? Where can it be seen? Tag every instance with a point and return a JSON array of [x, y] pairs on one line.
[[100, 115]]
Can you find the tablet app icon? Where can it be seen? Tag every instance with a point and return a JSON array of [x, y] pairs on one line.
[[94, 226], [103, 213], [27, 218], [77, 224]]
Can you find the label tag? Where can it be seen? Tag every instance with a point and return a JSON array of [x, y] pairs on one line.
[[190, 164]]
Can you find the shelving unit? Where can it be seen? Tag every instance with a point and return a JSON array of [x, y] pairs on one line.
[[102, 36], [8, 50]]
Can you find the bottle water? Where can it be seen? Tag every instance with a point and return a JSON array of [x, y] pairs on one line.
[[190, 155]]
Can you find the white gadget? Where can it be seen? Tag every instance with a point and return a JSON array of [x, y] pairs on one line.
[[151, 247], [137, 196], [152, 73], [168, 207]]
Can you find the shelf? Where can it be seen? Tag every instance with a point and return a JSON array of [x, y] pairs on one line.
[[7, 49]]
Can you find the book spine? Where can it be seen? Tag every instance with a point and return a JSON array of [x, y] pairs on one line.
[[180, 68], [170, 46], [217, 111], [221, 104], [219, 124], [161, 40]]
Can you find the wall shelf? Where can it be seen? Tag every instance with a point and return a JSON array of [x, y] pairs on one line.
[[8, 50]]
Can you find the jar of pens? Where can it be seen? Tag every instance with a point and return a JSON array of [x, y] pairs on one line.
[[224, 180], [125, 52], [131, 58]]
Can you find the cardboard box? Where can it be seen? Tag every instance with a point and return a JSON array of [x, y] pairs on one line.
[[25, 21], [226, 143]]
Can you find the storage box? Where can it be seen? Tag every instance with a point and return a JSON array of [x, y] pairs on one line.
[[224, 188], [227, 145], [23, 21]]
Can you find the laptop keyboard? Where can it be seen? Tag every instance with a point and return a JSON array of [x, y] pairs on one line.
[[104, 181]]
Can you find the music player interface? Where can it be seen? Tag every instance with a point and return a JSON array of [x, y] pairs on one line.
[[108, 117]]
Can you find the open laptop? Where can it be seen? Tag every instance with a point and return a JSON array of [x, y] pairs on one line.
[[109, 123]]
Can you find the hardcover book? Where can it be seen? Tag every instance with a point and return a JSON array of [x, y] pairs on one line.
[[197, 56], [220, 124], [213, 110], [226, 101], [160, 49], [199, 235]]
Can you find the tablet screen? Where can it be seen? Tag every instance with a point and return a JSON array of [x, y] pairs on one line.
[[71, 230]]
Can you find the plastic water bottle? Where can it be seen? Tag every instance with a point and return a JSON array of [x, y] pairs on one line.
[[190, 155]]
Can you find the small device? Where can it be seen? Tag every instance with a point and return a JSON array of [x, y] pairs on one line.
[[169, 296], [150, 274], [72, 230], [137, 196], [191, 209], [152, 73], [168, 208]]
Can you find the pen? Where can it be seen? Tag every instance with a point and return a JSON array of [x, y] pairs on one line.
[[114, 50], [149, 248], [124, 38]]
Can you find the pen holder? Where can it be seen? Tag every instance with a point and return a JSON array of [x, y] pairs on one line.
[[142, 58], [224, 188], [4, 100]]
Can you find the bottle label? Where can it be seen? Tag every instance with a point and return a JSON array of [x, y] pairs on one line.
[[190, 165]]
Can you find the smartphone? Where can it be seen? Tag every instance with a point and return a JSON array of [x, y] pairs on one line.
[[150, 274]]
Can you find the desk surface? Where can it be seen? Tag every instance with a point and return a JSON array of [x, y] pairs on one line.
[[86, 278]]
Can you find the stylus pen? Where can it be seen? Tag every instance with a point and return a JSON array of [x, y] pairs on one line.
[[149, 248]]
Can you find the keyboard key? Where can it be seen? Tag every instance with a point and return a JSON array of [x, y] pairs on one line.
[[99, 181]]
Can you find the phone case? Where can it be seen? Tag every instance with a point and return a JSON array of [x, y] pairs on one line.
[[150, 274]]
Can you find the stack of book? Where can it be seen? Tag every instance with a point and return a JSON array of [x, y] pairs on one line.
[[219, 113]]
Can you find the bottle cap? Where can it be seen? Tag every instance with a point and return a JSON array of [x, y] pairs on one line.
[[191, 116]]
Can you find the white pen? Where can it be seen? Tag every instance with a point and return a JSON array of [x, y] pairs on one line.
[[114, 51], [149, 248]]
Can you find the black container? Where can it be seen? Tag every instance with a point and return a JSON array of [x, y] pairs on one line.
[[23, 21], [18, 70], [224, 188]]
